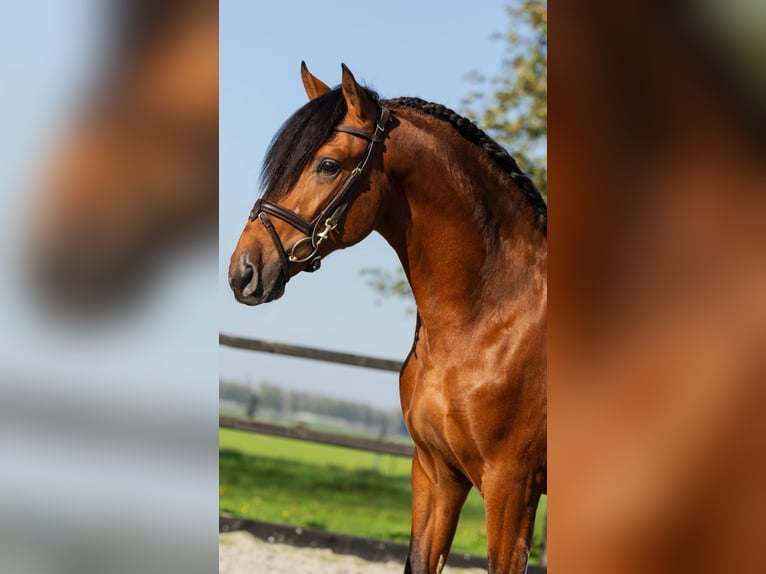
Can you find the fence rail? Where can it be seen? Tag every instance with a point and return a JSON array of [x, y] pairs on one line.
[[302, 433], [309, 353]]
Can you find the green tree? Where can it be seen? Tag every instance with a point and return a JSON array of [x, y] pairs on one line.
[[512, 107], [235, 392]]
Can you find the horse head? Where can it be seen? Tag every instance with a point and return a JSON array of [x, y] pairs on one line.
[[322, 186]]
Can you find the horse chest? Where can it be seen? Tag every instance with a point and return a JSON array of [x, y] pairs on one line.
[[440, 424]]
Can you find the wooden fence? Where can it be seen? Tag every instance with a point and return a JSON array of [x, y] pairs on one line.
[[302, 433]]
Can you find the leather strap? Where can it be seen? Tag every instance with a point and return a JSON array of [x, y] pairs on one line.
[[284, 214], [277, 243], [343, 196], [376, 136], [364, 134]]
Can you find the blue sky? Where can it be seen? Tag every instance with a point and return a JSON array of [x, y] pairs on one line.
[[423, 49]]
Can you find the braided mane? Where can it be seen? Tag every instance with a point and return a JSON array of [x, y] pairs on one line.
[[476, 135]]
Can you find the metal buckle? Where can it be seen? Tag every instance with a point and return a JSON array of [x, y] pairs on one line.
[[328, 227]]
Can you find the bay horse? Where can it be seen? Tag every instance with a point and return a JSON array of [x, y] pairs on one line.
[[470, 230]]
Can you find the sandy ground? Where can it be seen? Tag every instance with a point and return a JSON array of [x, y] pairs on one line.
[[242, 553]]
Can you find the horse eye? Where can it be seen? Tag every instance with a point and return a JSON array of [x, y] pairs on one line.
[[328, 167]]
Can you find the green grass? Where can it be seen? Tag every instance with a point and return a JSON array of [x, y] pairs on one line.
[[332, 488], [311, 453]]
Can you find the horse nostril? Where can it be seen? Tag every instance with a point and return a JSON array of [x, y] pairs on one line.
[[245, 283], [246, 277]]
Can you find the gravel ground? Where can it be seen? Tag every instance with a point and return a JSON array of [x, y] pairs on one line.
[[243, 553]]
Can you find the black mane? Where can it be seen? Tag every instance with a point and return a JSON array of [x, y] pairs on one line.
[[308, 128]]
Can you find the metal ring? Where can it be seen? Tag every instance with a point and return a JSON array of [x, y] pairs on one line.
[[293, 258]]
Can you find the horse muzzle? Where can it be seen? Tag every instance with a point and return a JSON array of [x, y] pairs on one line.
[[254, 284]]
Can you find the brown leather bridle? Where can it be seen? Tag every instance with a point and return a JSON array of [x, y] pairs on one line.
[[329, 216]]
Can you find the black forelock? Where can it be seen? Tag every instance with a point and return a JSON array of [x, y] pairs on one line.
[[298, 139]]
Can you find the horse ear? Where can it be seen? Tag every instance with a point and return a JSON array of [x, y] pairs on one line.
[[360, 106], [314, 86]]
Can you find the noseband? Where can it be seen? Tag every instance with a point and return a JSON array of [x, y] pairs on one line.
[[329, 216]]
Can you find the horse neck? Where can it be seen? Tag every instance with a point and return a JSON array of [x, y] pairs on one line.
[[464, 232]]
